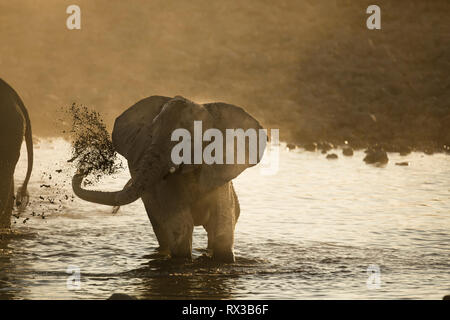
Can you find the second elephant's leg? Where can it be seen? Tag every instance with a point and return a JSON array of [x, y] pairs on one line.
[[7, 207], [10, 205]]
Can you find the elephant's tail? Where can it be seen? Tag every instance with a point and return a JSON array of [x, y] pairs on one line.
[[29, 143]]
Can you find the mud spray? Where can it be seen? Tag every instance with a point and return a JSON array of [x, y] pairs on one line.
[[92, 148]]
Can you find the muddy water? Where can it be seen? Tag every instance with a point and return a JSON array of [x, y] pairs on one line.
[[310, 231]]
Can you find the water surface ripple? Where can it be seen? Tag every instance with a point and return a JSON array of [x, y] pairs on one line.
[[310, 231]]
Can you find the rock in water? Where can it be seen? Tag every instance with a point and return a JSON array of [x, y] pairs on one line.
[[347, 151], [290, 146], [121, 296], [325, 146], [310, 146], [428, 151], [376, 154], [404, 150], [332, 156], [404, 163]]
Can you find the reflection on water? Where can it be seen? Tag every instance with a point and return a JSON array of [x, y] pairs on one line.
[[310, 231]]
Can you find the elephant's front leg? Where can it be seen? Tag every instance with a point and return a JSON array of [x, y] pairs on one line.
[[220, 227], [180, 227], [173, 228]]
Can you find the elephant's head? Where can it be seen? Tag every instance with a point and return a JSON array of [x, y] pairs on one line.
[[143, 134]]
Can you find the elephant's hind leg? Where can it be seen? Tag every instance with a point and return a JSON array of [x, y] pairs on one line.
[[237, 207]]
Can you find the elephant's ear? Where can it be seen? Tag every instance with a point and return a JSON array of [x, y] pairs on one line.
[[129, 124], [231, 118]]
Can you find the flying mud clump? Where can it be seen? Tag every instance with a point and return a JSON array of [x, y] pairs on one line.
[[92, 149]]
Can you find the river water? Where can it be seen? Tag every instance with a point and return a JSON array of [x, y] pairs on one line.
[[311, 231]]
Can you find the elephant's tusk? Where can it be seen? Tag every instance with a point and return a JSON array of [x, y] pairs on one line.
[[81, 172]]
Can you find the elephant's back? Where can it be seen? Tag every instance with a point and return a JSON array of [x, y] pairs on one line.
[[8, 98], [12, 122], [6, 90]]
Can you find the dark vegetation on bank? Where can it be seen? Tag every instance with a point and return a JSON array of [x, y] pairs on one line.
[[310, 68], [389, 87]]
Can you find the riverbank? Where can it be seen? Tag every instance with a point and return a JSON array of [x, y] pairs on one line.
[[310, 68]]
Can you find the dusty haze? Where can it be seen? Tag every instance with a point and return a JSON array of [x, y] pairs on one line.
[[310, 68]]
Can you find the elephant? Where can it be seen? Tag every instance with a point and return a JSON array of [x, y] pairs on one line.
[[178, 197], [14, 125]]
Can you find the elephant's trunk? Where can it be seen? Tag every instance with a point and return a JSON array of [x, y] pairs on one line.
[[148, 172], [116, 198]]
